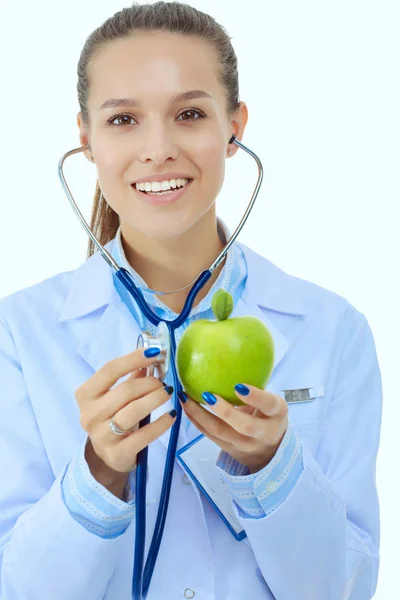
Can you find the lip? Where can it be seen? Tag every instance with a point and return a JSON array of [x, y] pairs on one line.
[[154, 200], [162, 177]]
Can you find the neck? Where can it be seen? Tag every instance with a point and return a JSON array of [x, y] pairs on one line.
[[167, 265]]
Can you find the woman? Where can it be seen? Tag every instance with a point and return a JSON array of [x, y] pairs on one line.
[[301, 474]]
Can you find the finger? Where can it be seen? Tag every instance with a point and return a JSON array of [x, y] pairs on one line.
[[125, 393], [135, 411], [268, 404], [221, 443], [138, 373], [144, 372], [112, 371], [249, 410], [136, 441], [243, 422], [102, 409], [212, 424]]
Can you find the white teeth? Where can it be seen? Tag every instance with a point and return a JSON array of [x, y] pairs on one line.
[[158, 186]]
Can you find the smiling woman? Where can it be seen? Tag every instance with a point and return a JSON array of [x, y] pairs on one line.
[[182, 114], [81, 412]]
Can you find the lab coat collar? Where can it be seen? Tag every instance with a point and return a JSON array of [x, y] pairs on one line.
[[114, 333], [267, 285]]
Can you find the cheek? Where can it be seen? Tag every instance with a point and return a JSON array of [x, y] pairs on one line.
[[111, 164], [210, 147], [112, 156], [211, 160], [109, 184], [215, 167]]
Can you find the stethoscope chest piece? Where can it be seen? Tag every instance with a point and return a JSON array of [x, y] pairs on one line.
[[160, 340]]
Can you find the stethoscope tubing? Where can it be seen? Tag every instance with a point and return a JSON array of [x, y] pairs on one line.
[[123, 281]]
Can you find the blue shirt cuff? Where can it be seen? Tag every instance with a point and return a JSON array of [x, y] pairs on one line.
[[91, 504], [257, 495]]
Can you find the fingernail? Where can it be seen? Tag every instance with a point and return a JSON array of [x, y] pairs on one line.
[[173, 413], [168, 389], [150, 352], [182, 397], [209, 398], [242, 389]]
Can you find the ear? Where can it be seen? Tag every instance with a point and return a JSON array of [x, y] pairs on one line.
[[238, 124], [84, 137]]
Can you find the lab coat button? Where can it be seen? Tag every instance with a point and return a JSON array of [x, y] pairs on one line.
[[271, 486], [188, 593], [186, 481]]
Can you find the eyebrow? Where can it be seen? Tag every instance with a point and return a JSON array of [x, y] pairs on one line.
[[131, 102]]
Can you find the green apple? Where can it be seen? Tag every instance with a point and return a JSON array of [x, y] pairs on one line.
[[214, 355]]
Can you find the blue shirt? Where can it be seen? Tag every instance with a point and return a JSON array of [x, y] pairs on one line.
[[255, 495]]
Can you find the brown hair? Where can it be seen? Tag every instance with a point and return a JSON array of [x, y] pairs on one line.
[[173, 17]]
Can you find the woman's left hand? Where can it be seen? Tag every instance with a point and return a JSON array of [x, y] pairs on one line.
[[250, 439]]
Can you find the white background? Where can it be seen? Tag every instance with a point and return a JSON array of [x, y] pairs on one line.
[[321, 82]]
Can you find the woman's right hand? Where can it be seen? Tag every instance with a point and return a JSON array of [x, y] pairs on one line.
[[129, 402]]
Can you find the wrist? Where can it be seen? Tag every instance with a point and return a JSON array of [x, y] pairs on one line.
[[117, 488], [112, 480], [259, 466], [257, 469]]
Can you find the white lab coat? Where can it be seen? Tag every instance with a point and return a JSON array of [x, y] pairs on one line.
[[322, 543]]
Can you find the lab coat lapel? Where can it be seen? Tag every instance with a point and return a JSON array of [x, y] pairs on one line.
[[103, 325]]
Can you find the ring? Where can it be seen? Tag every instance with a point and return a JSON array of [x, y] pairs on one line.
[[114, 428]]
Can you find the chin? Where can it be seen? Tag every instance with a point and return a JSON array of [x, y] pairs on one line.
[[163, 227], [166, 224]]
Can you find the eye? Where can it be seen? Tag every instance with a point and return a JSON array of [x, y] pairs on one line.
[[111, 121], [192, 110], [187, 111]]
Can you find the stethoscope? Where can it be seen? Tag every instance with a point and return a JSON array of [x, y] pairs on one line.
[[165, 340]]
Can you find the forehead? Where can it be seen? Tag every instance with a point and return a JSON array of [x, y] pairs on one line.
[[152, 64]]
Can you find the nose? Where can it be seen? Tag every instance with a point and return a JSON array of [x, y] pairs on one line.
[[159, 144]]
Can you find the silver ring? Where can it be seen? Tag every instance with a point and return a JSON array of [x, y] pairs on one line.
[[114, 428]]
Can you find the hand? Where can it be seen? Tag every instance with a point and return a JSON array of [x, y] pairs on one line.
[[251, 434], [128, 402]]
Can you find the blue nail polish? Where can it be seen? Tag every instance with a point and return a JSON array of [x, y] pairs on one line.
[[209, 398], [242, 389], [182, 397], [150, 352]]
